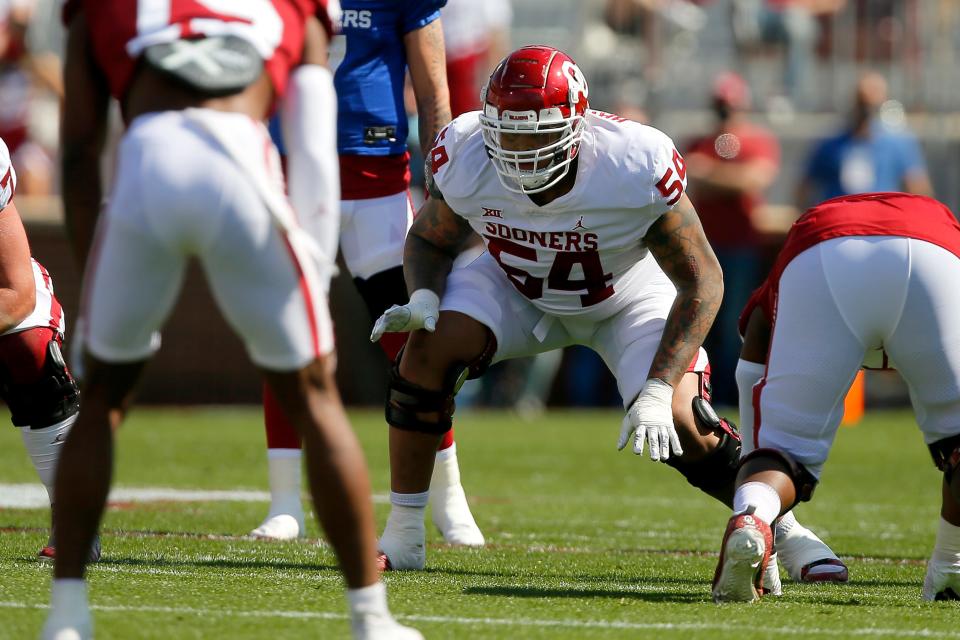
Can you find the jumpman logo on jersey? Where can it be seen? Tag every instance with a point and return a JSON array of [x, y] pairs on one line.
[[579, 224]]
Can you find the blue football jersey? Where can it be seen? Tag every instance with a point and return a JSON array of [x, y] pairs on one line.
[[371, 119]]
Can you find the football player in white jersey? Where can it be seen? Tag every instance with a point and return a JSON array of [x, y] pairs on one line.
[[590, 240], [34, 380]]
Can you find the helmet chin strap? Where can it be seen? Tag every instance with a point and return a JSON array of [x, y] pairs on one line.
[[539, 183]]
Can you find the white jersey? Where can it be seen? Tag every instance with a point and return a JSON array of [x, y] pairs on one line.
[[582, 254], [8, 177], [47, 311]]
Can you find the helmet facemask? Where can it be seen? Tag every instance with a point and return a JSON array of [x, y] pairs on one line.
[[523, 166]]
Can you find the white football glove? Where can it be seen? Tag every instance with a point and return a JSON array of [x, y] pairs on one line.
[[650, 417], [421, 312]]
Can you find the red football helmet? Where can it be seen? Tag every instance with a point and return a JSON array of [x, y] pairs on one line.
[[539, 93]]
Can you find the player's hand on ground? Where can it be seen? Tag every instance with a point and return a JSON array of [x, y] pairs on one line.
[[422, 312], [650, 418]]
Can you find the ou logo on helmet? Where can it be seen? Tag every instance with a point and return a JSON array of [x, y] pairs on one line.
[[576, 82]]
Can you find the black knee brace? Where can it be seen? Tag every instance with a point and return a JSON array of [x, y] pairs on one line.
[[715, 474], [407, 400], [804, 482], [382, 290], [946, 455], [52, 398]]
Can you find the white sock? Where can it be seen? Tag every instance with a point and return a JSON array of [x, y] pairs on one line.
[[446, 470], [786, 522], [759, 495], [407, 515], [43, 446], [410, 500], [284, 469], [368, 600], [947, 548], [747, 375], [68, 596]]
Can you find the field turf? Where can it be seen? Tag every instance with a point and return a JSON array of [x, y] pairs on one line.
[[583, 541]]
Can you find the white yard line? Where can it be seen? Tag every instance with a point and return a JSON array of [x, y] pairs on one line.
[[506, 622], [34, 496]]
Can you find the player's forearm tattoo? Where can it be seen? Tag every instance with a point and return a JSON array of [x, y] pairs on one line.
[[432, 244], [677, 242]]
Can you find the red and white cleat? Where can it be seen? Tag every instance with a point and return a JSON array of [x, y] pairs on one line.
[[772, 586], [403, 543], [383, 562], [807, 558], [744, 556], [49, 552]]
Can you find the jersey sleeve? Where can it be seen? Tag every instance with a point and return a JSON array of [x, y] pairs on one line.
[[663, 173], [420, 13], [8, 177], [441, 164]]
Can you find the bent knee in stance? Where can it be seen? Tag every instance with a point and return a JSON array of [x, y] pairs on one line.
[[429, 357], [697, 440]]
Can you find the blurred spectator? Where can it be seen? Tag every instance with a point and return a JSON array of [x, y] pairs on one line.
[[644, 21], [791, 23], [20, 73], [729, 170], [873, 152], [477, 37]]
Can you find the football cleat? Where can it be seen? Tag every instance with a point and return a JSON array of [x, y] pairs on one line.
[[49, 552], [403, 543], [383, 562], [807, 558], [396, 555], [942, 581], [772, 586], [451, 515], [281, 526], [370, 626], [744, 556]]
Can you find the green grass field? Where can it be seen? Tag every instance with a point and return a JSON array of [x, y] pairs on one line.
[[583, 541]]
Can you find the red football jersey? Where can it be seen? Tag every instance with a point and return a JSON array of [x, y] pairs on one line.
[[121, 29], [869, 214]]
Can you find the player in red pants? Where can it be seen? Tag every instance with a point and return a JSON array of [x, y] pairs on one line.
[[34, 381]]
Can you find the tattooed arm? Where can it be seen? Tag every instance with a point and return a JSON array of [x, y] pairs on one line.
[[437, 236], [428, 74], [679, 246]]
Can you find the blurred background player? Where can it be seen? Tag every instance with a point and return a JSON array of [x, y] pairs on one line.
[[477, 37], [871, 153], [561, 195], [34, 380], [197, 177], [807, 331], [384, 39], [729, 170], [23, 72]]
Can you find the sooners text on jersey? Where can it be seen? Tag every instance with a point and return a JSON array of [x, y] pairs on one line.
[[583, 253]]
